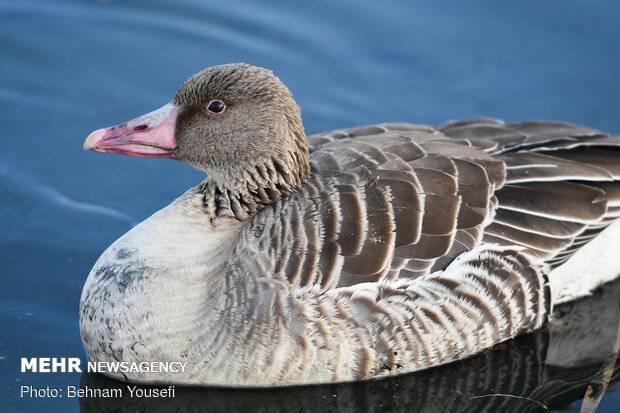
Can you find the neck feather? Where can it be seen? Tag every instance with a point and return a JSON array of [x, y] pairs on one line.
[[241, 189], [256, 186]]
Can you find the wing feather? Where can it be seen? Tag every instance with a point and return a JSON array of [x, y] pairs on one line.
[[401, 200]]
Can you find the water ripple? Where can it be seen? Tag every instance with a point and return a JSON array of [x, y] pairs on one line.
[[19, 186]]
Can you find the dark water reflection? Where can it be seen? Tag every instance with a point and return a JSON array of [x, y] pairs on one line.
[[68, 67], [548, 370]]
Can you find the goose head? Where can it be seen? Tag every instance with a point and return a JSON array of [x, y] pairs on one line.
[[236, 122]]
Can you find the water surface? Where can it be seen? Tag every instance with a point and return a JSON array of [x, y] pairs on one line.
[[70, 66]]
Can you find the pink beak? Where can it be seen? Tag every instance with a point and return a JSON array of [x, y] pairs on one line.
[[150, 135]]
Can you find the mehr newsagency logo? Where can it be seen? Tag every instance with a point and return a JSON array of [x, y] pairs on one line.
[[74, 365]]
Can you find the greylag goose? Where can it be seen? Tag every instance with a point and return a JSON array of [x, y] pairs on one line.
[[341, 256]]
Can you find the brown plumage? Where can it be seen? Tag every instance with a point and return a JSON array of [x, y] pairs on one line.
[[331, 258]]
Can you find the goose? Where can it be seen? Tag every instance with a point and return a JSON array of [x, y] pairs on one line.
[[348, 255]]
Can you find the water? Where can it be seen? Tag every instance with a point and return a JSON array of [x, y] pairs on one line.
[[70, 66]]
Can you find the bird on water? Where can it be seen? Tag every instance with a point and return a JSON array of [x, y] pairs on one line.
[[345, 255]]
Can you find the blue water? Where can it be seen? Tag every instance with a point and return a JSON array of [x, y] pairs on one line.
[[70, 66]]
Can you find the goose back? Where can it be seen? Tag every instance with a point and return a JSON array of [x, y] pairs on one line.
[[400, 201]]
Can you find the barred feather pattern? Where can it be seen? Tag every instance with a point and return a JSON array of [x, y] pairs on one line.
[[308, 334], [400, 201], [409, 246], [562, 183], [402, 204]]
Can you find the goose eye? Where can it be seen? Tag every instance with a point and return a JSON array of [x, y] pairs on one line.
[[216, 106]]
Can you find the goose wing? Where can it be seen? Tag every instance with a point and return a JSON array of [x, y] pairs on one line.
[[561, 188], [400, 201]]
